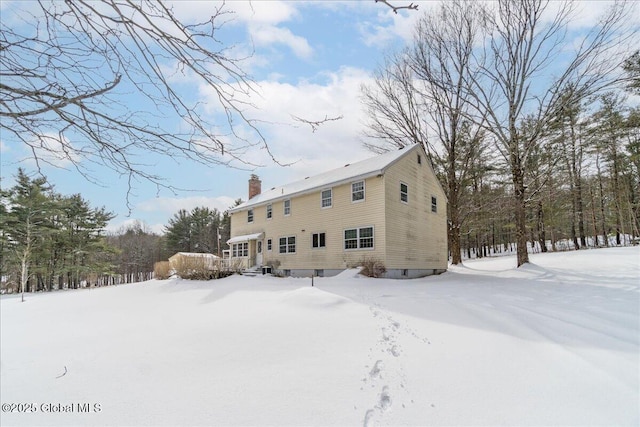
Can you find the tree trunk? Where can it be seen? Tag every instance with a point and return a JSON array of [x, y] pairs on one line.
[[520, 215], [603, 224], [454, 221], [580, 213], [542, 238], [596, 241]]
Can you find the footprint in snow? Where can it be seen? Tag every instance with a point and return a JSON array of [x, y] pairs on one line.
[[376, 370]]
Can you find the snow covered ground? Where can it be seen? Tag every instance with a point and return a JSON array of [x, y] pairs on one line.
[[553, 343]]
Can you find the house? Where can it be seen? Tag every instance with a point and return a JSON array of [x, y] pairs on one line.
[[389, 208]]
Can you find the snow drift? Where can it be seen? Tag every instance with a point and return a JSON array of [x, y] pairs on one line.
[[555, 342]]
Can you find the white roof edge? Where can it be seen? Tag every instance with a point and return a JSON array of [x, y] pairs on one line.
[[340, 181], [248, 205], [245, 237]]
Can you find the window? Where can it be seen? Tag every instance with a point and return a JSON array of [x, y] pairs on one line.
[[240, 250], [357, 191], [269, 243], [419, 159], [318, 240], [404, 193], [287, 245], [250, 215], [358, 238], [269, 211], [326, 198], [434, 204], [287, 207]]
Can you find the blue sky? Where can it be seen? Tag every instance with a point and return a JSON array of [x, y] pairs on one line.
[[309, 60]]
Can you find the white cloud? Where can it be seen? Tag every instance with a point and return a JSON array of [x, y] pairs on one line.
[[236, 12], [270, 35], [264, 12], [332, 145], [166, 208], [52, 150], [388, 26], [171, 205]]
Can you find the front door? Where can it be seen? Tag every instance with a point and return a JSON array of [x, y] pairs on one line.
[[259, 253]]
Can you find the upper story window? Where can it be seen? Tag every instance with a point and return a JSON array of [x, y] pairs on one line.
[[269, 211], [287, 207], [318, 240], [358, 238], [419, 159], [357, 191], [326, 197], [404, 193], [434, 204], [250, 215], [269, 243]]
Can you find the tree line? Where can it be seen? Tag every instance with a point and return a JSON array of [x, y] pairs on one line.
[[49, 241], [531, 133]]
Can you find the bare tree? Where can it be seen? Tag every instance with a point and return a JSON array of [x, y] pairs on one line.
[[69, 71], [525, 69], [421, 92]]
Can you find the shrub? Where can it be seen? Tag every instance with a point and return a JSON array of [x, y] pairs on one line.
[[162, 270], [193, 268], [372, 267]]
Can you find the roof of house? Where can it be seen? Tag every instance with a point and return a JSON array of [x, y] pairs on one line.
[[195, 255], [350, 172]]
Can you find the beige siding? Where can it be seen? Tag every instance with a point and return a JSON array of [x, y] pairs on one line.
[[308, 217], [416, 237]]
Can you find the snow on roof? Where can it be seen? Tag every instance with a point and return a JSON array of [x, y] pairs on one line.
[[245, 238], [349, 172], [196, 254]]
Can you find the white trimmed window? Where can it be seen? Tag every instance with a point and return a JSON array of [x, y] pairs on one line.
[[287, 245], [404, 192], [357, 191], [358, 238], [434, 204], [318, 240], [240, 250], [287, 207], [269, 211], [250, 215], [326, 198], [269, 245]]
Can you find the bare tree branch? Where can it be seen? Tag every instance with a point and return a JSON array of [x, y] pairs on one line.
[[411, 6], [316, 124], [108, 83]]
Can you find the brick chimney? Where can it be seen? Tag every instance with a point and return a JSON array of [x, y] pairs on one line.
[[255, 186]]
